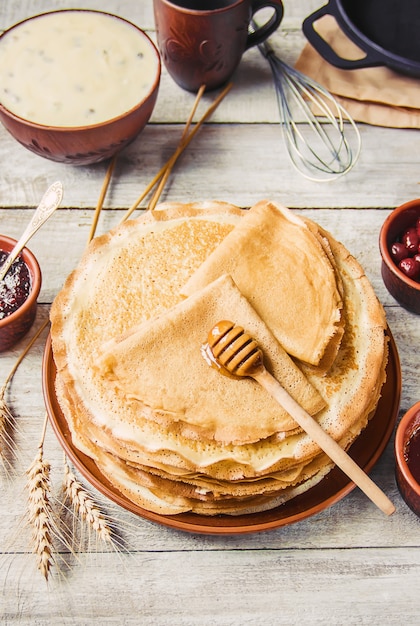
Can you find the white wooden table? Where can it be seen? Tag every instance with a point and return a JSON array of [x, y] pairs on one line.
[[349, 564]]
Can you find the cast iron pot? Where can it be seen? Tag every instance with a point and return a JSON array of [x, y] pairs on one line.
[[386, 30]]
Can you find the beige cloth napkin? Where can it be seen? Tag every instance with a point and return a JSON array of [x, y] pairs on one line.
[[377, 95]]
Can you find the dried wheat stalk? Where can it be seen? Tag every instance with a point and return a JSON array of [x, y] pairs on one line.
[[40, 514], [185, 140], [8, 452], [84, 506], [156, 195], [101, 198]]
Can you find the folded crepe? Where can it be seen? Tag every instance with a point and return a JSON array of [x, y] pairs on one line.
[[160, 364], [282, 268]]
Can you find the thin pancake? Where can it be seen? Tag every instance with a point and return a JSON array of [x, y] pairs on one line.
[[281, 267], [160, 365]]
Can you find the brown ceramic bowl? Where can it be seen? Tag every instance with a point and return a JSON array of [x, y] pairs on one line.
[[405, 290], [16, 325], [408, 486], [75, 142]]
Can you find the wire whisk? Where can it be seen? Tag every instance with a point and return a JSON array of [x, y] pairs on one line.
[[320, 148]]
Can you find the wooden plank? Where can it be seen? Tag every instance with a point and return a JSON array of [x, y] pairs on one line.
[[226, 587], [238, 163]]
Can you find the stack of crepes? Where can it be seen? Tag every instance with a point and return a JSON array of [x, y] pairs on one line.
[[167, 430]]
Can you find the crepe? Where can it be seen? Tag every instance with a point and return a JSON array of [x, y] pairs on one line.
[[281, 267], [160, 364], [131, 279]]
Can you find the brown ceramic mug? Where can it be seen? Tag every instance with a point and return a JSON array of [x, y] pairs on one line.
[[202, 41]]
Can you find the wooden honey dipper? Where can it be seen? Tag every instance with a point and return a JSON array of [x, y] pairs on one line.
[[231, 349]]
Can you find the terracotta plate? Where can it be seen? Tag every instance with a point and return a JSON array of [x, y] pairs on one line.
[[366, 451]]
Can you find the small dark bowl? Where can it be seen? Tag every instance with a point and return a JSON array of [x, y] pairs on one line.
[[408, 486], [405, 290], [16, 325], [83, 145]]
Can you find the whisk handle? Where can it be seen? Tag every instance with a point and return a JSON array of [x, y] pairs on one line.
[[324, 49], [261, 33]]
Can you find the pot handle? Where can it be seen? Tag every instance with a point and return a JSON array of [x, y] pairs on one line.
[[325, 50]]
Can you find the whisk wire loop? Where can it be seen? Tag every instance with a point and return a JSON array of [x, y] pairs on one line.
[[328, 153]]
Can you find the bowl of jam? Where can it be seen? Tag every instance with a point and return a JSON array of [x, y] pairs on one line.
[[399, 245], [19, 292], [407, 457]]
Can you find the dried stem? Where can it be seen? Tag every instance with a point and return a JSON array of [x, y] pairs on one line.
[[22, 356], [7, 420], [181, 147], [163, 180], [101, 198]]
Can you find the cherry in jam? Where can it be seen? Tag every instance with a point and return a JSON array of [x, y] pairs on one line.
[[15, 286], [405, 251], [412, 455]]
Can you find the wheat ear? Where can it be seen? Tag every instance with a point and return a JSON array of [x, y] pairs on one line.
[[40, 514], [84, 505]]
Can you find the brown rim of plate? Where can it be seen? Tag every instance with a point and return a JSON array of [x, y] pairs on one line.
[[366, 451]]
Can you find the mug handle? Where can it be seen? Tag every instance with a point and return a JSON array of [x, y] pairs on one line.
[[325, 50], [264, 31]]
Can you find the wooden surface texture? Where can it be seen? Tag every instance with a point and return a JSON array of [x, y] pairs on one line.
[[350, 564]]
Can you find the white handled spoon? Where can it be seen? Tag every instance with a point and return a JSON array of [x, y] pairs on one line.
[[49, 202]]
